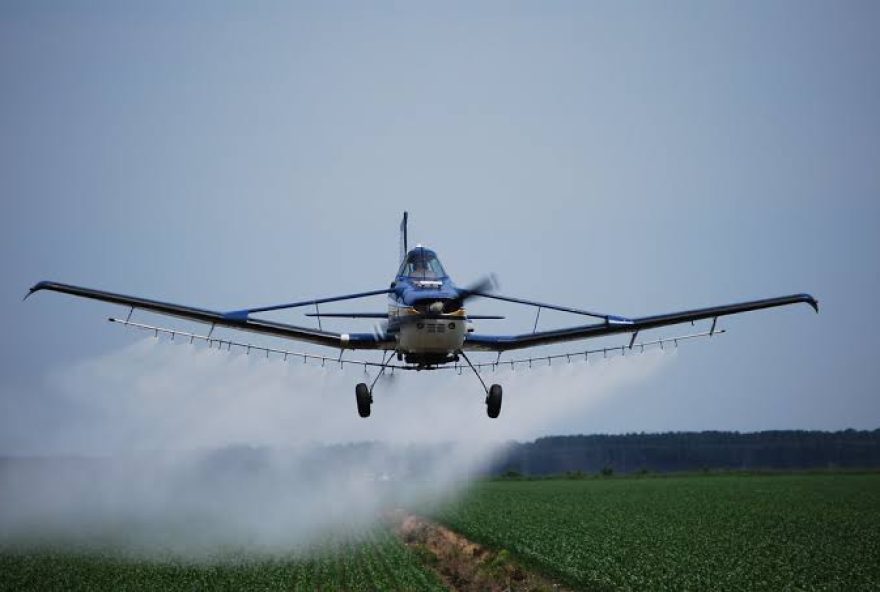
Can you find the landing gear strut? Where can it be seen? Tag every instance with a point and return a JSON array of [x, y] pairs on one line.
[[493, 393], [364, 393]]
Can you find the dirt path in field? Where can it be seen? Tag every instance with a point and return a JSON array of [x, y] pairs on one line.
[[463, 565]]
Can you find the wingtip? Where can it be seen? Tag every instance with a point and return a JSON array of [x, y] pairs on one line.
[[808, 298], [35, 288]]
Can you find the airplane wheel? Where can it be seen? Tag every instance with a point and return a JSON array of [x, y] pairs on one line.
[[364, 399], [493, 401]]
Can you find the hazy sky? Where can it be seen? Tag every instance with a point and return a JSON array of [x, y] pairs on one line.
[[631, 158]]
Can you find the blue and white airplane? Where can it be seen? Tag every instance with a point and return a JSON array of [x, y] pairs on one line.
[[426, 325]]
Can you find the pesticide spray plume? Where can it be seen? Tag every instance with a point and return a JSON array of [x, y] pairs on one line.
[[191, 452]]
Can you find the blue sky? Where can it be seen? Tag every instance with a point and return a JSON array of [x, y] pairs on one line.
[[636, 158]]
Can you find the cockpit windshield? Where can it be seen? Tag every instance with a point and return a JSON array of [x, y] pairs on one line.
[[422, 264]]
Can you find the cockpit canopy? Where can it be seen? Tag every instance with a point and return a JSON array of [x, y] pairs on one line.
[[422, 264]]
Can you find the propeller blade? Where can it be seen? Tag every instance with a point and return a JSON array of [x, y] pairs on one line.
[[488, 283]]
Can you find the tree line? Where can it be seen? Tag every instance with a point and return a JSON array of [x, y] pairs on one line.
[[692, 451]]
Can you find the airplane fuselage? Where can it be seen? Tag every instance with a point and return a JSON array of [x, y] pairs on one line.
[[419, 330], [425, 315]]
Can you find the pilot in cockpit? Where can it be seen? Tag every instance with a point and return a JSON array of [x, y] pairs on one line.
[[422, 264], [420, 268]]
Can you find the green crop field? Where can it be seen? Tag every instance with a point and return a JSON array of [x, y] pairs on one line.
[[783, 532], [380, 562], [736, 532]]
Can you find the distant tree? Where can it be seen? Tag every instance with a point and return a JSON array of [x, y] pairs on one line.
[[693, 451]]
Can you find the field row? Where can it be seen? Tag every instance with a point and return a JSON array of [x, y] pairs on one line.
[[806, 532], [381, 562]]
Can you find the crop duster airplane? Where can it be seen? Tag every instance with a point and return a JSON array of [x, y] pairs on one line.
[[426, 326]]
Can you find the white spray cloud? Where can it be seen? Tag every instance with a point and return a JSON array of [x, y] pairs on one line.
[[200, 450]]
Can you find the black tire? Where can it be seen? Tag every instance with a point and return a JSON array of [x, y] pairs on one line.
[[493, 401], [364, 399]]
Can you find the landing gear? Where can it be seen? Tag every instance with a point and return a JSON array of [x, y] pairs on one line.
[[493, 393], [364, 393], [493, 401], [364, 399]]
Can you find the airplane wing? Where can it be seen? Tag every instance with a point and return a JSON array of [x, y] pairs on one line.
[[613, 324], [239, 319]]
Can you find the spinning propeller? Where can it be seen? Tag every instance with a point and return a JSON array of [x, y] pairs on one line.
[[484, 285], [488, 283]]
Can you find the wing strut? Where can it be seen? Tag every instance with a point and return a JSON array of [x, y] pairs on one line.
[[608, 318], [243, 314], [632, 341]]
